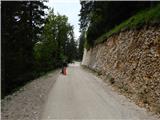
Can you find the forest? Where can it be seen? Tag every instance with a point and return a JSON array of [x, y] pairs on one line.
[[84, 59], [33, 42]]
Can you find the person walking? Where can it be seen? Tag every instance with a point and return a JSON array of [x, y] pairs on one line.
[[64, 68]]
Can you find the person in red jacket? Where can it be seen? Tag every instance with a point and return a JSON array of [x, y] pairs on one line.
[[64, 68]]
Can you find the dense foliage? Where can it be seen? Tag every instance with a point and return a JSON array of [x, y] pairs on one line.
[[56, 44], [146, 17], [81, 45], [96, 18], [32, 42], [21, 26]]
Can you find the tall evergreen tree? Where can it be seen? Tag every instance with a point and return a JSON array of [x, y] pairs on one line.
[[21, 23], [81, 45], [57, 43]]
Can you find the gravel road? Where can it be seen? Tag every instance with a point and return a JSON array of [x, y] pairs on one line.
[[81, 95], [28, 102]]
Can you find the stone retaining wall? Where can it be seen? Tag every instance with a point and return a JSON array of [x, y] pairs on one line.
[[130, 61]]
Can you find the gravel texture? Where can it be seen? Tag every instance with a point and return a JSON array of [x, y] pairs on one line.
[[28, 102], [80, 95]]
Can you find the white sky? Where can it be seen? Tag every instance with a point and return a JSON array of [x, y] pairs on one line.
[[71, 9]]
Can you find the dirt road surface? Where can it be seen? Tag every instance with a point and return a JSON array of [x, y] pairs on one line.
[[81, 95]]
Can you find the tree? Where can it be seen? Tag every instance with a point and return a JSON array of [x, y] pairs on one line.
[[71, 47], [85, 12], [81, 45], [56, 44], [96, 17], [20, 27]]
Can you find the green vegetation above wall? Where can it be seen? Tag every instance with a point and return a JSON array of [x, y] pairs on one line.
[[97, 18], [146, 17]]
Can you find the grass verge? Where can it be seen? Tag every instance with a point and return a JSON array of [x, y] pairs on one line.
[[146, 17]]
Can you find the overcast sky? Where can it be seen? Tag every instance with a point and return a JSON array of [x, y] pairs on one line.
[[70, 8]]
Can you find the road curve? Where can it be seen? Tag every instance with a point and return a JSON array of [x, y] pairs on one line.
[[81, 95]]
